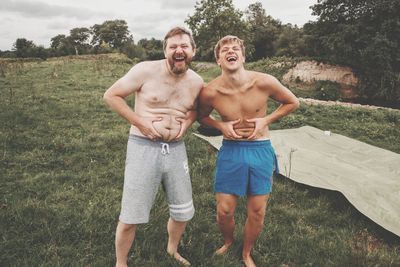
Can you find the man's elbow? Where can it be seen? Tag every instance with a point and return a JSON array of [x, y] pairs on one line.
[[107, 98], [199, 118], [296, 104]]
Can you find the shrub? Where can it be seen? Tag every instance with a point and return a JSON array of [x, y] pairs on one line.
[[327, 90]]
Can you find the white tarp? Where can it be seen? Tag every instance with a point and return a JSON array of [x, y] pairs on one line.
[[368, 176]]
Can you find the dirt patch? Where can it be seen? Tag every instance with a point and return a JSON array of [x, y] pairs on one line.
[[310, 71], [310, 101]]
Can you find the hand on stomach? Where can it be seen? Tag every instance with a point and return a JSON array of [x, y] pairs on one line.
[[168, 127], [244, 132], [246, 129]]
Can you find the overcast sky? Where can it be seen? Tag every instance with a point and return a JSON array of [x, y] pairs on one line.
[[40, 20]]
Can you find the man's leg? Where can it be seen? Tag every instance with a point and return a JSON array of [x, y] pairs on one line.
[[175, 231], [124, 237], [226, 205], [256, 206]]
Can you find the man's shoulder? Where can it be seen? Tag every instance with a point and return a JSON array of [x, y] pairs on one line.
[[194, 77], [145, 69], [213, 84], [259, 75], [210, 89], [262, 79], [149, 64]]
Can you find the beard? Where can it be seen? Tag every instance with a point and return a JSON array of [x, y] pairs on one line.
[[179, 69]]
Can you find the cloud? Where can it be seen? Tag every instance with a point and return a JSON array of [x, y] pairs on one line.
[[58, 25], [178, 4], [44, 10], [156, 27]]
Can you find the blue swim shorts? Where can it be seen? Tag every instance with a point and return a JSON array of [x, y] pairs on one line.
[[245, 167]]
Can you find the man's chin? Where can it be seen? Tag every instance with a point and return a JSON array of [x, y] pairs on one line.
[[180, 70]]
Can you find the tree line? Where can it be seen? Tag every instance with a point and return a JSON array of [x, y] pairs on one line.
[[362, 34]]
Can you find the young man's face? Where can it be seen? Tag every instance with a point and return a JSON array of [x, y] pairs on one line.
[[179, 53], [230, 56]]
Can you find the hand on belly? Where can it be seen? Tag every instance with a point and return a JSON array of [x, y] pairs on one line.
[[168, 127], [244, 128], [244, 132]]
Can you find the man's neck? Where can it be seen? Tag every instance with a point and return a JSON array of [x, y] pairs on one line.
[[236, 79]]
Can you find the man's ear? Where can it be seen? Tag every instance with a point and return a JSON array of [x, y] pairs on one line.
[[194, 52]]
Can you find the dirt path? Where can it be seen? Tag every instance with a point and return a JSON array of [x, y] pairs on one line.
[[310, 101]]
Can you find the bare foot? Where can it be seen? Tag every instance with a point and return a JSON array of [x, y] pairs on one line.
[[222, 250], [180, 259], [248, 261]]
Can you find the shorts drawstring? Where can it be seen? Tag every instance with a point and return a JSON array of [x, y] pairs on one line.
[[164, 148]]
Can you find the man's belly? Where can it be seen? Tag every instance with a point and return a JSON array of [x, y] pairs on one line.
[[168, 127], [245, 129]]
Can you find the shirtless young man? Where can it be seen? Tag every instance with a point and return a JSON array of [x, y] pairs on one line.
[[165, 107], [246, 159]]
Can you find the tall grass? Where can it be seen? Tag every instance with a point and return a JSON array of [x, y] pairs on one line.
[[61, 169]]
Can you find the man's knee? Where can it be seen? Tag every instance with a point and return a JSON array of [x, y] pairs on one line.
[[224, 214], [256, 216], [126, 228]]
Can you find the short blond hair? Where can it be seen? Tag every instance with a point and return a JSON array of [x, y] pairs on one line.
[[229, 39], [178, 31]]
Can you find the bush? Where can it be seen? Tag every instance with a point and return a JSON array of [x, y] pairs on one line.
[[327, 90]]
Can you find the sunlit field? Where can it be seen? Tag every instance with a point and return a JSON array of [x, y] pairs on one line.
[[62, 156]]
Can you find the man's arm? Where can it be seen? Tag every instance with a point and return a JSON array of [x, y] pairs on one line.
[[186, 122], [115, 96], [204, 110], [191, 114], [280, 93]]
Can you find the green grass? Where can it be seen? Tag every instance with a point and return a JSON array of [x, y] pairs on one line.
[[62, 161]]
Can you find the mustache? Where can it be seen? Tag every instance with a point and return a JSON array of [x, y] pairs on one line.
[[176, 55]]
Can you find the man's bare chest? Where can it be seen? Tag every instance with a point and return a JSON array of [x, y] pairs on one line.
[[251, 101], [162, 94]]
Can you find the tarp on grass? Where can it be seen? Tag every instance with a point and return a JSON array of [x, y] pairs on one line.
[[368, 176]]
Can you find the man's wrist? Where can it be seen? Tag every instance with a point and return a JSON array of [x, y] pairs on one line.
[[267, 120]]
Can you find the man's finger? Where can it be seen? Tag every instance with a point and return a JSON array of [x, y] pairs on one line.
[[179, 119], [235, 135], [252, 136], [252, 120], [236, 121], [155, 133], [179, 134]]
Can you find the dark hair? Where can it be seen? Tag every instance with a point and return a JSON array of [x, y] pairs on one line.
[[177, 31]]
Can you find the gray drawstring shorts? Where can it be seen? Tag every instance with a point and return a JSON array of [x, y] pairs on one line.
[[148, 164]]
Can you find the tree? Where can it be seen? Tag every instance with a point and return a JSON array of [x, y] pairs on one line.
[[364, 34], [79, 38], [112, 32], [133, 51], [212, 20], [263, 31], [24, 48], [290, 42], [62, 45], [153, 48]]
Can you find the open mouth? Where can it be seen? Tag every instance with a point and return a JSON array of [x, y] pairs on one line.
[[179, 58], [231, 59]]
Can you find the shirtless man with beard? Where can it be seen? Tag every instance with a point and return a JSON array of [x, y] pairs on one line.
[[246, 159], [165, 107]]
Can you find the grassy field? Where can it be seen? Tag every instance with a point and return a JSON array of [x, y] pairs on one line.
[[62, 160]]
